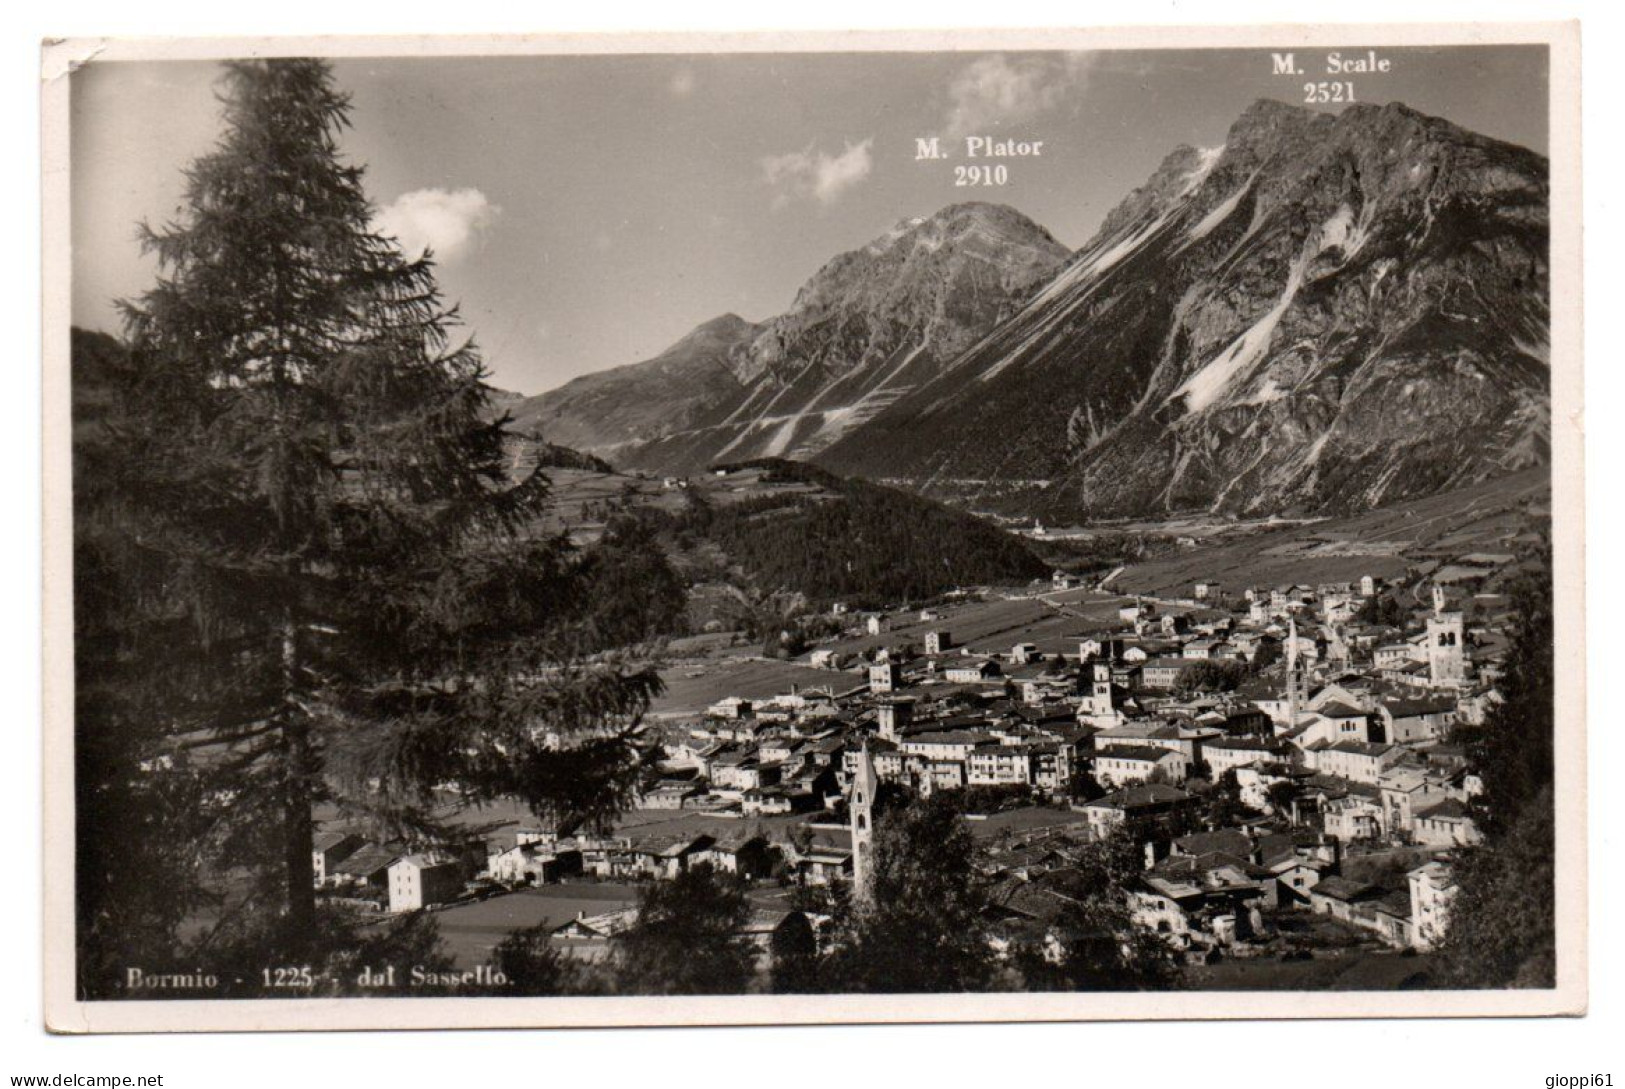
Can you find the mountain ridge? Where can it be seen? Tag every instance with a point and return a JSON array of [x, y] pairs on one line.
[[1236, 334], [1235, 337], [867, 325]]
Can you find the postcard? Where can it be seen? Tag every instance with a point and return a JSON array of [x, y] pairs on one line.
[[804, 528]]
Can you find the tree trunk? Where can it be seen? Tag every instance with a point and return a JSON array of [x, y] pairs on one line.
[[299, 835], [298, 828]]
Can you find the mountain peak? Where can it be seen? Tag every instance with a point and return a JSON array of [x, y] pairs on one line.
[[725, 325], [998, 222], [1236, 333], [1264, 109], [1180, 171], [1269, 125], [866, 328]]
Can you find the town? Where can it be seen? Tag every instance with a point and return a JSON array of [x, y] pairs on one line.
[[1283, 758]]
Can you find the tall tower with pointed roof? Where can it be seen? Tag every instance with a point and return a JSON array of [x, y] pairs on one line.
[[862, 805], [1294, 695]]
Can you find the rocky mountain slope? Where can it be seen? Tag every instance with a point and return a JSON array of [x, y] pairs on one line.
[[867, 328], [1326, 313]]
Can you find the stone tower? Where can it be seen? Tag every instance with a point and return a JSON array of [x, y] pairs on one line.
[[1294, 677], [1447, 666], [1101, 695], [893, 717], [1099, 709], [862, 804]]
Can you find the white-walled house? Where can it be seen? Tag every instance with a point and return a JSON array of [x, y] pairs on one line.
[[419, 880]]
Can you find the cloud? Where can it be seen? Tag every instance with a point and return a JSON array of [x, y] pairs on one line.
[[683, 83], [444, 221], [995, 90], [817, 175]]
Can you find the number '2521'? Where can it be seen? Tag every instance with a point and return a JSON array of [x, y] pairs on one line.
[[1328, 91]]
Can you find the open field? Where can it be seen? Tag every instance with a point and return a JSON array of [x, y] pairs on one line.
[[1028, 820], [469, 932], [1384, 542], [993, 626], [691, 688]]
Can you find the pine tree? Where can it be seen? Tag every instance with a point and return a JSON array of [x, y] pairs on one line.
[[1512, 751], [1502, 929], [342, 592], [689, 937]]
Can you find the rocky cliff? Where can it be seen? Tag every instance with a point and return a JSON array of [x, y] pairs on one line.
[[1326, 313]]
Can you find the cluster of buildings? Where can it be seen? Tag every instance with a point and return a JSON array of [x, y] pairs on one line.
[[1268, 754]]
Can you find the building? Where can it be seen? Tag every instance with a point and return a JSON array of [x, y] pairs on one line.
[[587, 937], [946, 745], [1410, 720], [1341, 898], [668, 794], [938, 642], [368, 867], [999, 765], [885, 677], [533, 864], [893, 716], [1102, 708], [1104, 647], [328, 849], [1446, 824], [1407, 790], [1188, 741], [417, 881], [1433, 887], [1122, 765], [1352, 818], [1209, 900], [1153, 810], [1359, 761], [1228, 753], [824, 865], [972, 671], [749, 857], [1023, 653], [1163, 673], [1051, 765], [862, 804], [1447, 662]]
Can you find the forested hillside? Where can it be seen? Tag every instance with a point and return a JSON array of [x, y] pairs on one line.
[[870, 546]]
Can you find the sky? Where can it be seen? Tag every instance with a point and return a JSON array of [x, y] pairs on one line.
[[588, 211]]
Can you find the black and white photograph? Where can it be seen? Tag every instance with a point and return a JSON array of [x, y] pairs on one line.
[[778, 529]]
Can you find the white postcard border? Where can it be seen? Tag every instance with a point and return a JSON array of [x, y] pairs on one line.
[[64, 1013]]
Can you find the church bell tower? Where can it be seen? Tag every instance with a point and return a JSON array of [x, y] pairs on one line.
[[862, 805], [1447, 663]]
